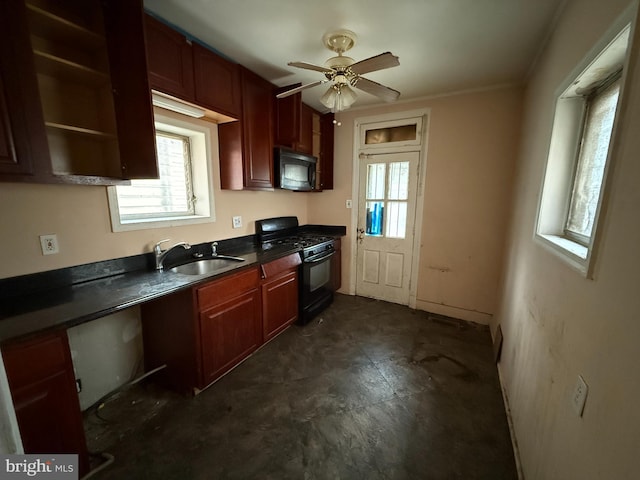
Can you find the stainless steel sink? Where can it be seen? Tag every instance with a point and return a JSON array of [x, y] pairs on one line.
[[207, 265]]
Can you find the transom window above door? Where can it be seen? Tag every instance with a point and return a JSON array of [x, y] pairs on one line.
[[391, 134]]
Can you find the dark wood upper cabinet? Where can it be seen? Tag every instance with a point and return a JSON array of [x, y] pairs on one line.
[[257, 108], [24, 153], [217, 82], [43, 388], [170, 60], [293, 122], [76, 92], [327, 128], [246, 147], [287, 117], [305, 140], [124, 21], [191, 72]]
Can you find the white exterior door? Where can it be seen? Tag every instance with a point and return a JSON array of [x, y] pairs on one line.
[[386, 218]]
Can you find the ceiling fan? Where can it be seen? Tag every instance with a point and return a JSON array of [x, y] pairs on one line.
[[344, 73]]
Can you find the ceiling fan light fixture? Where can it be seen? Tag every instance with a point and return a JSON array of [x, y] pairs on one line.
[[329, 97], [338, 97], [347, 96], [344, 73]]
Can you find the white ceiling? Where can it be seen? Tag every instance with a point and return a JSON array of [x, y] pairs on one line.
[[444, 45]]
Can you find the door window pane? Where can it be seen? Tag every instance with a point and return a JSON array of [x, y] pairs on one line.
[[398, 181], [397, 219], [375, 218], [375, 181], [388, 198], [398, 190]]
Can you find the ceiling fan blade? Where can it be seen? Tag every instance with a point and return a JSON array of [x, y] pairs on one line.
[[385, 93], [310, 66], [295, 90], [372, 64]]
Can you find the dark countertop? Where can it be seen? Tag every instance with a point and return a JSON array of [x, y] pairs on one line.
[[36, 303]]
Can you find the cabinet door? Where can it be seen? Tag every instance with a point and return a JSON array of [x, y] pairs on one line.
[[217, 82], [305, 142], [40, 375], [293, 122], [229, 332], [124, 24], [257, 108], [287, 117], [170, 60], [24, 153], [246, 146], [326, 151], [279, 304]]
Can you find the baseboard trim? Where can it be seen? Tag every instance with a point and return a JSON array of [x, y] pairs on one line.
[[514, 440], [454, 312]]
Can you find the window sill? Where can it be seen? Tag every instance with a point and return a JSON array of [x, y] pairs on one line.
[[147, 223], [576, 255]]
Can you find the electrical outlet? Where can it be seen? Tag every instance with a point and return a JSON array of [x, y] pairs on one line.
[[237, 222], [579, 396], [49, 244], [349, 204]]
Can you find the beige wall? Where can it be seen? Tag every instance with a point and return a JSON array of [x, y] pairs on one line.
[[79, 215], [472, 146], [557, 324]]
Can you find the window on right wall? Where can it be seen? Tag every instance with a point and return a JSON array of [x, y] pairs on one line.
[[580, 152]]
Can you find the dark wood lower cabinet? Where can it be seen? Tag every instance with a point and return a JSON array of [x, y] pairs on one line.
[[229, 332], [42, 383], [203, 332], [279, 295]]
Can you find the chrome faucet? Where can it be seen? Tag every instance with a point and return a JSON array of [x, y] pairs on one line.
[[161, 254], [214, 249]]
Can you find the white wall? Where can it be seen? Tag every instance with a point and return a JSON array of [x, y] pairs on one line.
[[556, 323], [106, 353]]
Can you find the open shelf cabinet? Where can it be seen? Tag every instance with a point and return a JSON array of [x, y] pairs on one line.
[[88, 75]]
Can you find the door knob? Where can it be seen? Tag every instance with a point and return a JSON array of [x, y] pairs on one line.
[[360, 234]]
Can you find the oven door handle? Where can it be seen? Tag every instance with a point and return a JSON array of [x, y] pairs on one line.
[[322, 258]]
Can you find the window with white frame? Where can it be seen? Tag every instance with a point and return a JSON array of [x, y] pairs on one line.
[[184, 192], [580, 154], [587, 179], [171, 194]]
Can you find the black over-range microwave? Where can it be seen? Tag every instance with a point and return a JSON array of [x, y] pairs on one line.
[[294, 170]]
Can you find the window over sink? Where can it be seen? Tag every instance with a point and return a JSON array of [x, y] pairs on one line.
[[184, 192]]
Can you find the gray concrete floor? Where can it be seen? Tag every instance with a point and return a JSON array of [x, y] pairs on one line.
[[372, 391]]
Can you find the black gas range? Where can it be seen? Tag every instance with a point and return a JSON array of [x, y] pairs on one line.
[[316, 250]]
